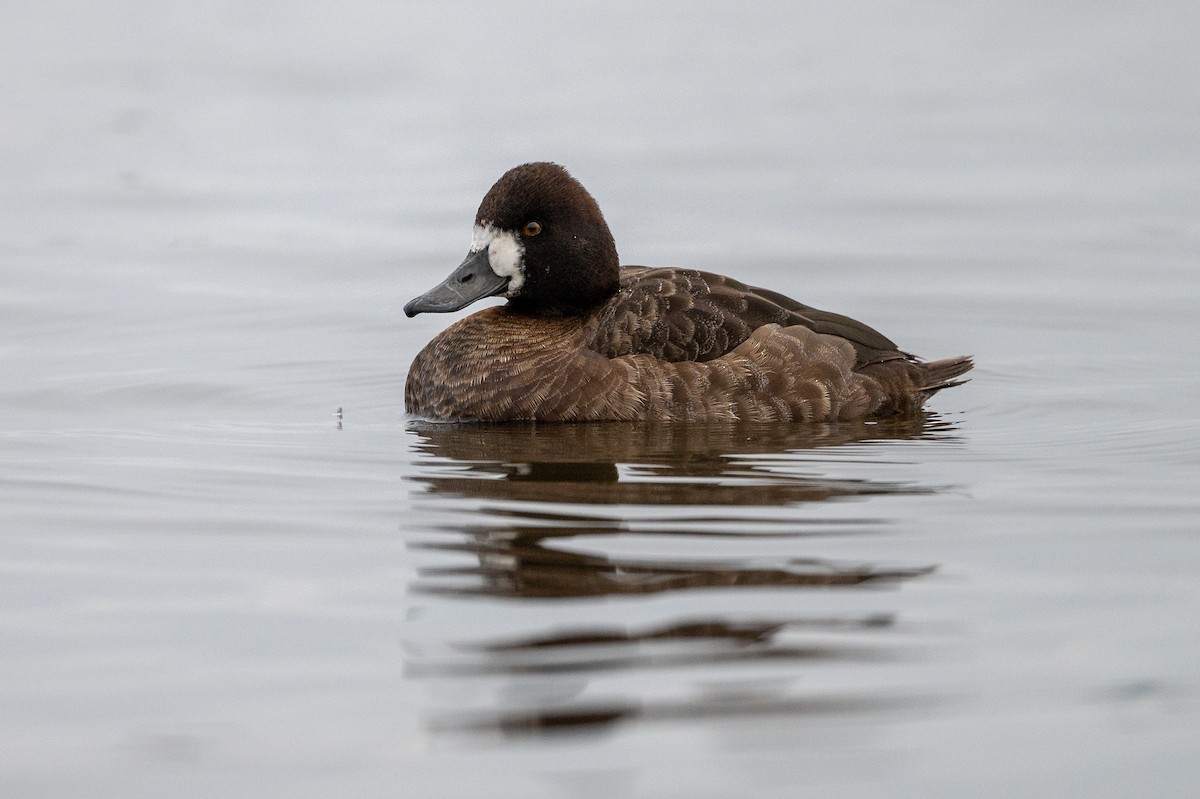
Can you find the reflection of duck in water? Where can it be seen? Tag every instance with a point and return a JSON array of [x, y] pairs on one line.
[[582, 339], [517, 562], [693, 469], [700, 532], [686, 465]]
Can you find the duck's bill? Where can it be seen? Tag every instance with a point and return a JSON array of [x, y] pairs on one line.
[[473, 280]]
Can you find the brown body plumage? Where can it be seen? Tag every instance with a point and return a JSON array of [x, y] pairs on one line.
[[573, 344]]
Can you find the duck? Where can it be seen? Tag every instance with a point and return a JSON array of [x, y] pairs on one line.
[[583, 339]]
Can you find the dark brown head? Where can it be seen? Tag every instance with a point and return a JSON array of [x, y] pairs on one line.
[[540, 240]]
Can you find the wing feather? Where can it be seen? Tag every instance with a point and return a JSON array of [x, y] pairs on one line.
[[688, 315]]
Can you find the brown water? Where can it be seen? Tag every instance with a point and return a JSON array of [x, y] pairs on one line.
[[212, 585]]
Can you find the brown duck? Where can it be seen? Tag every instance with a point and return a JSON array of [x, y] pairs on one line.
[[583, 339]]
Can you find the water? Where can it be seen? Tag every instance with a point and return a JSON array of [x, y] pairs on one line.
[[212, 585]]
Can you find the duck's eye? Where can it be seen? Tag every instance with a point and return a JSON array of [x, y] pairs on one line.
[[532, 228]]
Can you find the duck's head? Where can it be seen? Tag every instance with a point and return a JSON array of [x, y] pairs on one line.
[[540, 240]]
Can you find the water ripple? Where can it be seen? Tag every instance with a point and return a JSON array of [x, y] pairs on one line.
[[590, 513]]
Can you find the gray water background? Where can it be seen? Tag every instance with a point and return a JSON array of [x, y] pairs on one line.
[[213, 214]]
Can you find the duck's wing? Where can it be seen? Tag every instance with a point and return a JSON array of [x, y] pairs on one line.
[[688, 315]]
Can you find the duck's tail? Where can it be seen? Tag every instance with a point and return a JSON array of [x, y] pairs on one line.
[[937, 375]]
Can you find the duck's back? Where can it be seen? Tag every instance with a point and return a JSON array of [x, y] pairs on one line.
[[687, 315]]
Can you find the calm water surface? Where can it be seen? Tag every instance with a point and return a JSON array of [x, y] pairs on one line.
[[214, 586]]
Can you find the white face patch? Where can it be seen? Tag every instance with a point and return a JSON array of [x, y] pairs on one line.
[[506, 255]]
